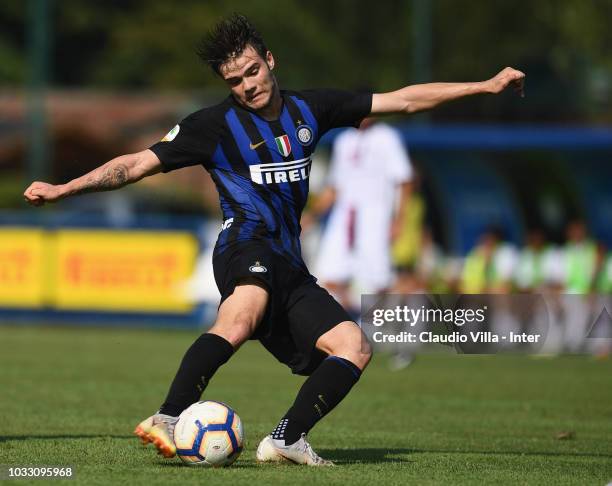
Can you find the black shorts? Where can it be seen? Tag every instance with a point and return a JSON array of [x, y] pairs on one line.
[[299, 311]]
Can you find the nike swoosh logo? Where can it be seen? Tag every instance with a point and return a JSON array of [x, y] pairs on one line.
[[323, 400], [253, 147]]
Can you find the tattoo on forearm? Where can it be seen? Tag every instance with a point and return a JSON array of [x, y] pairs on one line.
[[106, 179]]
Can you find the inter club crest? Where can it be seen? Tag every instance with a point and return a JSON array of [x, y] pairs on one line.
[[258, 268], [304, 134]]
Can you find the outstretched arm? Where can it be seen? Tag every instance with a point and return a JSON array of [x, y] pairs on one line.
[[420, 97], [116, 173]]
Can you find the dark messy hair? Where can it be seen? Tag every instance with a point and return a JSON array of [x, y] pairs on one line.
[[228, 39]]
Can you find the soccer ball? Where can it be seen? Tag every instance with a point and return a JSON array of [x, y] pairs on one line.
[[208, 434]]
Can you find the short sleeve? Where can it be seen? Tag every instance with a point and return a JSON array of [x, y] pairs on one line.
[[336, 108], [339, 154], [333, 178], [396, 158], [191, 142]]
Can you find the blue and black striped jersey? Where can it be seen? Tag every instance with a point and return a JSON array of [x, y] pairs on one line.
[[260, 167]]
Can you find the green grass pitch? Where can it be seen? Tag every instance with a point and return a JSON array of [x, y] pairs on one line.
[[72, 396]]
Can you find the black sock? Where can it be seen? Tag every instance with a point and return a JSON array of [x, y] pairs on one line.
[[199, 364], [320, 393]]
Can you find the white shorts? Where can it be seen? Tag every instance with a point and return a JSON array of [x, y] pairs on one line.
[[355, 248]]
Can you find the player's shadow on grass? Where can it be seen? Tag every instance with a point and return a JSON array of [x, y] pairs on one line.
[[7, 438], [339, 456], [348, 456], [239, 464]]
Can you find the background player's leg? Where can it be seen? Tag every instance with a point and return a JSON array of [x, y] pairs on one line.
[[237, 319], [334, 265], [349, 353]]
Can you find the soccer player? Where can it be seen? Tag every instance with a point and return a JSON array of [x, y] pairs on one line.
[[257, 145], [369, 168]]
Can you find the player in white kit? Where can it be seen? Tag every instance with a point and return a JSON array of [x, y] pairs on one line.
[[369, 166]]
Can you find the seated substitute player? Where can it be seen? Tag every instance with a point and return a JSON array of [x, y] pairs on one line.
[[257, 145]]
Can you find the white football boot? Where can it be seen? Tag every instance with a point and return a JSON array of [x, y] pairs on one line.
[[271, 450]]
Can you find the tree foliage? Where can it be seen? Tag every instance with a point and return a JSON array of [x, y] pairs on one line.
[[149, 44]]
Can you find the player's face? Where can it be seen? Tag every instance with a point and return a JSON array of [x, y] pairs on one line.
[[250, 78]]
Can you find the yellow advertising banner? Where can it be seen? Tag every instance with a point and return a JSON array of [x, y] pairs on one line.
[[96, 270], [123, 270], [23, 272]]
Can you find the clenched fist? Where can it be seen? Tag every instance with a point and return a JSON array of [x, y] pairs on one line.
[[40, 192], [506, 77]]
